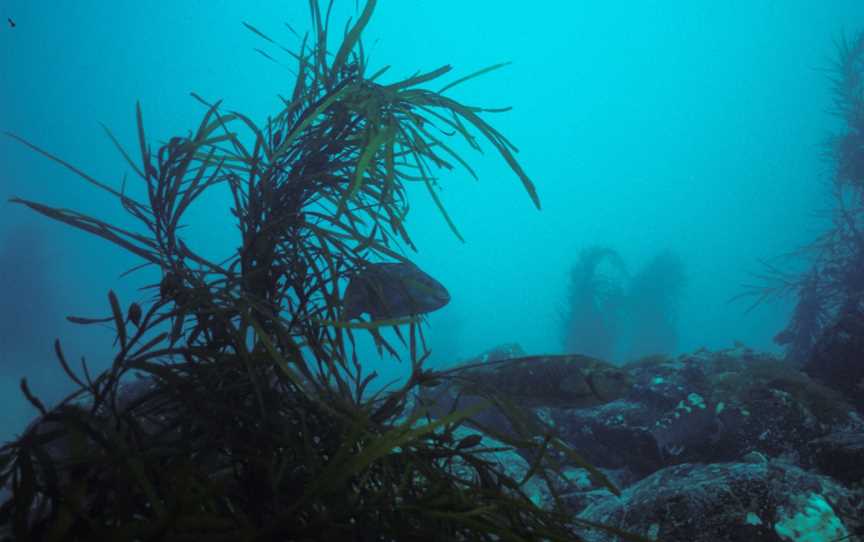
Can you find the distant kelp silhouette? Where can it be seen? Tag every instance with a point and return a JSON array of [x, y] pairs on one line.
[[653, 300], [26, 288], [595, 295], [29, 290], [252, 420], [612, 313]]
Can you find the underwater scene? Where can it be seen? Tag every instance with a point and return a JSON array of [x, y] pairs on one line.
[[359, 270]]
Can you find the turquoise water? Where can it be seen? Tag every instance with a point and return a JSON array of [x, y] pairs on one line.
[[686, 126]]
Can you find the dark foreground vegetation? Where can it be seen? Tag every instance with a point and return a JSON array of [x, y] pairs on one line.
[[236, 407]]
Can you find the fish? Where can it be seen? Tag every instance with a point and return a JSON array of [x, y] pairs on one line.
[[388, 290], [518, 392], [562, 381], [11, 22]]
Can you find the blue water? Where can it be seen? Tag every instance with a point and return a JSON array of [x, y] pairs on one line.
[[690, 126]]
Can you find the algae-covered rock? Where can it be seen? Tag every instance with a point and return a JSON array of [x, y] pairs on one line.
[[731, 502], [708, 407], [836, 359], [839, 455]]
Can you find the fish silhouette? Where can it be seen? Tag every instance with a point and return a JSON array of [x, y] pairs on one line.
[[564, 381], [392, 290]]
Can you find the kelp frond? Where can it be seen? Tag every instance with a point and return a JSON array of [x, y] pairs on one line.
[[250, 417]]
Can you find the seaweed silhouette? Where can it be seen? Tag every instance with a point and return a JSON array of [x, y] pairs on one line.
[[831, 283], [236, 407], [653, 297], [591, 321], [613, 313]]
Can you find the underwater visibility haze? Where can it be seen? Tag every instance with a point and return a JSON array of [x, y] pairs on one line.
[[692, 127], [587, 240]]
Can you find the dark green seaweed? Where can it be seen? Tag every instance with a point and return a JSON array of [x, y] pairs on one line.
[[235, 407]]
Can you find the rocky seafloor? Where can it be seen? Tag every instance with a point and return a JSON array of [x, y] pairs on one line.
[[713, 446]]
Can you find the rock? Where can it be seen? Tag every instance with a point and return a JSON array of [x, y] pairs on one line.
[[839, 455], [731, 502], [837, 355], [703, 407]]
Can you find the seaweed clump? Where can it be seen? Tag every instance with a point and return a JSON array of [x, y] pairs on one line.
[[823, 335], [236, 407], [832, 282]]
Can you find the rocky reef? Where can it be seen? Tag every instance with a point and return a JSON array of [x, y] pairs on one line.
[[727, 445]]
